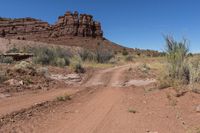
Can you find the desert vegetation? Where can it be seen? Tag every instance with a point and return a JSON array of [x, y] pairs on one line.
[[51, 56], [181, 69]]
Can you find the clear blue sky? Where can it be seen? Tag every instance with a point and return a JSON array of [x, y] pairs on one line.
[[132, 23]]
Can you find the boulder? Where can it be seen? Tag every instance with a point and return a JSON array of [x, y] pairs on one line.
[[13, 82], [198, 109]]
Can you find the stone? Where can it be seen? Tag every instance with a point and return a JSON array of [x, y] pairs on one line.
[[198, 109], [4, 95], [13, 82], [68, 79]]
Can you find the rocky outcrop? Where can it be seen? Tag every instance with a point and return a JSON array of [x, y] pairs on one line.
[[71, 24], [78, 25], [22, 26]]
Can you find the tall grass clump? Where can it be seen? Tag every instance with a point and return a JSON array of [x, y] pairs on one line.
[[182, 69], [177, 53], [194, 66]]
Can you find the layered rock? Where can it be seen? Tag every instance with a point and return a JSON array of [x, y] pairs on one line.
[[22, 26], [77, 25], [71, 24]]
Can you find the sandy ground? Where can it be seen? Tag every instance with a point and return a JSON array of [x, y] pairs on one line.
[[106, 106]]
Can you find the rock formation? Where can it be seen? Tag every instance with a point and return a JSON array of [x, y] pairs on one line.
[[71, 24], [16, 27]]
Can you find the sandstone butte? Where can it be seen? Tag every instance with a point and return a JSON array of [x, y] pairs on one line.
[[70, 24]]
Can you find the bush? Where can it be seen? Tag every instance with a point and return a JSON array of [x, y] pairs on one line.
[[3, 33], [43, 71], [66, 97], [60, 62], [129, 58], [144, 68], [177, 53], [87, 55], [23, 65], [125, 52], [3, 76], [194, 67], [103, 55], [13, 50], [79, 68], [51, 56], [8, 60]]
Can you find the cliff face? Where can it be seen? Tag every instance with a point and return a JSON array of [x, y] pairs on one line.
[[71, 24], [77, 25], [22, 26]]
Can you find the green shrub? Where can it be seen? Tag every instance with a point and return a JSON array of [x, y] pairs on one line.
[[60, 62], [23, 65], [3, 33], [144, 68], [79, 68], [66, 97], [3, 76], [125, 52], [8, 60], [194, 67], [177, 53], [13, 50], [43, 71], [87, 55], [129, 58], [103, 55], [51, 56]]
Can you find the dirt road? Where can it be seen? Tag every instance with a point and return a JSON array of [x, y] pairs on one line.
[[109, 107]]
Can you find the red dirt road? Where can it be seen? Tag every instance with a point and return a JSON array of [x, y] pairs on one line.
[[108, 107]]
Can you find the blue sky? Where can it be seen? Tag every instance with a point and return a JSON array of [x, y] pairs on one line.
[[132, 23]]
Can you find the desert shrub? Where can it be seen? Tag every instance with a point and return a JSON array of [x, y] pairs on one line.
[[129, 58], [65, 97], [113, 60], [177, 53], [103, 55], [3, 33], [87, 55], [59, 62], [13, 50], [194, 69], [23, 65], [125, 52], [79, 68], [164, 81], [51, 56], [144, 68], [162, 54], [43, 71], [7, 60], [190, 55], [115, 52], [3, 76]]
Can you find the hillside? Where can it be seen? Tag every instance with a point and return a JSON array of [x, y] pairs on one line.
[[71, 29]]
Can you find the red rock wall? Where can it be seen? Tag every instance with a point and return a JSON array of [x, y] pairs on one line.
[[71, 24]]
